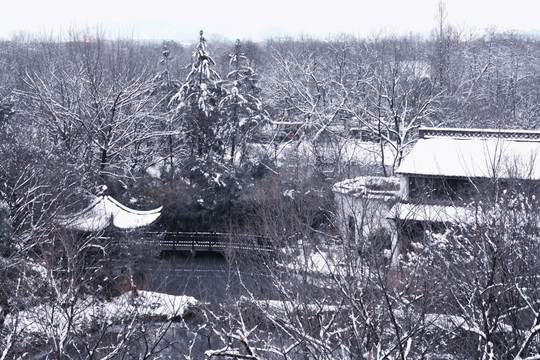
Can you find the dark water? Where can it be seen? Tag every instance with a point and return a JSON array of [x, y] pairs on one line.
[[206, 276], [209, 277]]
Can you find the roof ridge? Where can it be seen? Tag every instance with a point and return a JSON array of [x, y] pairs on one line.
[[516, 134]]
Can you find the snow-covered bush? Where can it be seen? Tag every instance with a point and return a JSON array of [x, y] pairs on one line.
[[204, 197]]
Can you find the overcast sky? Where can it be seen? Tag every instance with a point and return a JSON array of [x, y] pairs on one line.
[[181, 20]]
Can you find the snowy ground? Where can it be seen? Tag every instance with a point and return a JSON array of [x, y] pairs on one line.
[[315, 261], [81, 316]]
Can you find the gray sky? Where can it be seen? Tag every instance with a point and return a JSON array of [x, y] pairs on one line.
[[252, 19]]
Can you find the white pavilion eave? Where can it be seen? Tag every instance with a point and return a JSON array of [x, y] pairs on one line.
[[105, 211]]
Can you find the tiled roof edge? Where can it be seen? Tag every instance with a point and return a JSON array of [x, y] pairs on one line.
[[461, 133]]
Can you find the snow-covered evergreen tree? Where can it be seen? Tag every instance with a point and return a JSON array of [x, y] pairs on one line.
[[165, 87], [197, 103], [165, 83], [241, 107]]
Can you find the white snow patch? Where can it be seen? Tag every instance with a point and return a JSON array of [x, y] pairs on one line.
[[217, 180], [46, 318], [451, 322], [432, 213], [321, 263], [275, 307], [315, 262], [369, 185], [154, 171], [38, 268], [289, 194]]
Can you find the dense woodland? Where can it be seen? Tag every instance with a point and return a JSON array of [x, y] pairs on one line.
[[198, 129]]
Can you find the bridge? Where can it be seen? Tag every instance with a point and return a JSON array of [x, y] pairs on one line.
[[210, 241]]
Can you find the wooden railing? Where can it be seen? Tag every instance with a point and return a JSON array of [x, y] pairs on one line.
[[208, 241]]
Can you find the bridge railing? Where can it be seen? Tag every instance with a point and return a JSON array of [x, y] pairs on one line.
[[210, 241]]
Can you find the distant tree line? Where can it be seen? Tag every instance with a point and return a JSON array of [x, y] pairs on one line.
[[111, 109]]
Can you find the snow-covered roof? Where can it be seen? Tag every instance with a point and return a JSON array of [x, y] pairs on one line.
[[475, 153], [104, 211], [432, 213]]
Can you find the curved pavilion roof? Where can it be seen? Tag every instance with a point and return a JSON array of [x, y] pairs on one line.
[[105, 211]]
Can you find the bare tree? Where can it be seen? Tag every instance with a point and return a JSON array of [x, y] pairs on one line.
[[400, 98], [96, 105]]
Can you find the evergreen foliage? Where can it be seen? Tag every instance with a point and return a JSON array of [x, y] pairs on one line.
[[241, 106], [166, 86], [197, 103], [208, 199]]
